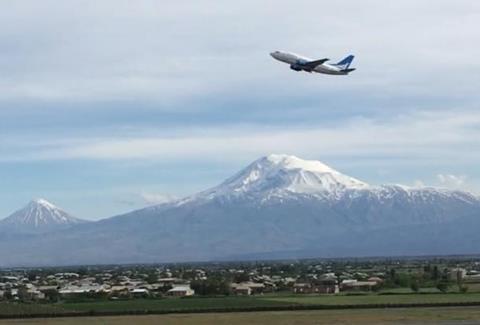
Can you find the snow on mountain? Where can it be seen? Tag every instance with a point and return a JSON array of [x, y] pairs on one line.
[[38, 215], [284, 177], [281, 176]]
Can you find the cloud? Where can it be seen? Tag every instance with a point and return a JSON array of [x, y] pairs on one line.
[[458, 182], [156, 198], [452, 181], [418, 184], [421, 136], [171, 51]]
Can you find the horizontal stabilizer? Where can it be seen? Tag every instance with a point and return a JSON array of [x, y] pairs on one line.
[[348, 70]]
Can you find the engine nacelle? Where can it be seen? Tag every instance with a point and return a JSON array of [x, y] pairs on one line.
[[295, 67]]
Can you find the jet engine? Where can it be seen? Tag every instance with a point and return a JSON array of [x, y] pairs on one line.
[[295, 67]]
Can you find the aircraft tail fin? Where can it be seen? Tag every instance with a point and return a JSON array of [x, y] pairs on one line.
[[345, 63]]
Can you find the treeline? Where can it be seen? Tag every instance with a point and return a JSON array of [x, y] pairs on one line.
[[430, 276]]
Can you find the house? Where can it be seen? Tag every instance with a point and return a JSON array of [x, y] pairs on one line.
[[119, 290], [355, 285], [181, 291], [67, 275], [318, 287], [138, 292], [375, 279], [169, 282], [254, 288], [456, 273], [302, 288], [75, 289], [242, 290], [35, 294], [7, 278], [472, 278]]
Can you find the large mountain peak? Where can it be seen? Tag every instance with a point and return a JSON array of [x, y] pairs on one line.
[[279, 175], [38, 215], [289, 162]]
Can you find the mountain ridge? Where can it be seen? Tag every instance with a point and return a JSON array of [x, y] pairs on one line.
[[276, 204]]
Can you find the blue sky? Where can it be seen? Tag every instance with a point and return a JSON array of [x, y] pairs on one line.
[[110, 106]]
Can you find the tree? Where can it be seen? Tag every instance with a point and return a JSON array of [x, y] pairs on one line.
[[414, 286], [211, 287], [435, 273], [392, 274], [442, 286], [52, 295], [241, 277], [23, 294], [32, 276], [152, 278], [8, 295], [459, 280]]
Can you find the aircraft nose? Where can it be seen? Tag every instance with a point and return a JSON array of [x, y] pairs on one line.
[[272, 54]]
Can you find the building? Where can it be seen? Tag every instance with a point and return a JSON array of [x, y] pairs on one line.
[[242, 290], [181, 291], [456, 274], [322, 287], [83, 289], [472, 278], [139, 292], [354, 285], [254, 288], [302, 288]]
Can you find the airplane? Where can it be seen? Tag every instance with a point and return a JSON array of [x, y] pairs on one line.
[[300, 63]]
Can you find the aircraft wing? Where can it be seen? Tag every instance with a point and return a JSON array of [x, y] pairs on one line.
[[314, 64]]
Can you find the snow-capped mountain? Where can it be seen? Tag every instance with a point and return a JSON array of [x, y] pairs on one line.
[[283, 180], [281, 176], [38, 215], [277, 207]]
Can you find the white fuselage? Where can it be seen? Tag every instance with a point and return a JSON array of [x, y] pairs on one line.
[[293, 59]]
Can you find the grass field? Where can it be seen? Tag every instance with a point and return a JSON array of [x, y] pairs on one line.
[[451, 315], [378, 299], [198, 304], [177, 304]]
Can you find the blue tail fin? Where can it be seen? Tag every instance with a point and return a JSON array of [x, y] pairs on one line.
[[345, 63]]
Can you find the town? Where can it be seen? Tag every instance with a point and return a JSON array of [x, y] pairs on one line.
[[300, 277]]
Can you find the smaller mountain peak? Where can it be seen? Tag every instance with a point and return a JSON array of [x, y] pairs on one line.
[[37, 216], [42, 202]]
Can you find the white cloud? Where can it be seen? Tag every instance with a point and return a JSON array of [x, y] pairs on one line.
[[168, 51], [452, 181], [418, 183], [156, 198], [422, 136]]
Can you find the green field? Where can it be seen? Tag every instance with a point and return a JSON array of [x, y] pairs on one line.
[[450, 315], [379, 299], [267, 302], [174, 304]]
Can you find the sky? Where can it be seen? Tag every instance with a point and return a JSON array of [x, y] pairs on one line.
[[110, 106]]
